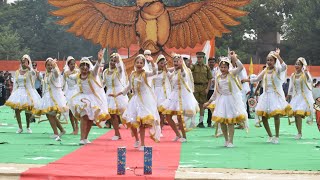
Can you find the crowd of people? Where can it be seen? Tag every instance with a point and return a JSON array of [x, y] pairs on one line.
[[6, 85], [159, 95]]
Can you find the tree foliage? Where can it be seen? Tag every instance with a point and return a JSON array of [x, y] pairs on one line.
[[303, 33], [38, 31], [10, 44]]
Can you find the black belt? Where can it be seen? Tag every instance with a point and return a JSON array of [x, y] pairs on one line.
[[201, 83]]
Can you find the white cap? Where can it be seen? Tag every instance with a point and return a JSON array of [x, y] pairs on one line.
[[160, 57], [303, 61], [70, 58], [26, 56], [147, 52]]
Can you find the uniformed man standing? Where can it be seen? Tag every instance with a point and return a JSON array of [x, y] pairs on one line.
[[202, 80], [214, 70]]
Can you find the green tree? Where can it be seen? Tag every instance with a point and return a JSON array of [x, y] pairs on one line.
[[38, 31], [10, 46], [264, 17], [303, 31]]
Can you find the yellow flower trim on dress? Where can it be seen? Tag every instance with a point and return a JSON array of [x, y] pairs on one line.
[[102, 117], [21, 107], [179, 113], [98, 119], [161, 109], [147, 120], [115, 111], [235, 120], [281, 112], [300, 113], [57, 109], [211, 107]]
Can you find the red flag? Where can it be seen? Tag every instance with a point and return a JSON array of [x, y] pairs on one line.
[[213, 48]]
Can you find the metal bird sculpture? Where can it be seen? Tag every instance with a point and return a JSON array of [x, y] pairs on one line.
[[150, 23]]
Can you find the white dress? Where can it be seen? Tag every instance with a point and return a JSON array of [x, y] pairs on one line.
[[24, 96], [142, 107], [117, 105], [181, 100], [53, 100], [272, 101], [227, 99], [91, 99], [245, 87], [301, 91], [161, 87], [71, 87]]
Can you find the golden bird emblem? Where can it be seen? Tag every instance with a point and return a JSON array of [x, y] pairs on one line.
[[150, 23]]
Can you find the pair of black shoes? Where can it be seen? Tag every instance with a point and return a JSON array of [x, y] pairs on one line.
[[200, 125]]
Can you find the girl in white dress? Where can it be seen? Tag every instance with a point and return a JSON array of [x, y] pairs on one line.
[[71, 88], [24, 96], [181, 101], [115, 79], [161, 85], [229, 108], [272, 102], [300, 90], [142, 111], [53, 101], [90, 104]]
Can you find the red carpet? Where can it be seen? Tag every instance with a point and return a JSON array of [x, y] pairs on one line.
[[99, 160]]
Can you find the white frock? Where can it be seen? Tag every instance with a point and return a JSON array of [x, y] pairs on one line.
[[227, 99], [181, 100], [71, 87], [161, 87], [91, 100], [24, 96], [117, 105], [302, 100], [53, 100], [272, 101], [142, 107]]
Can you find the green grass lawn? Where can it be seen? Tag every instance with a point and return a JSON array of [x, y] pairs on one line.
[[35, 148]]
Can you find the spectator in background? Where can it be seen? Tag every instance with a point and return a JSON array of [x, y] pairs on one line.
[[38, 79], [314, 82], [214, 70], [2, 88], [8, 84], [285, 87]]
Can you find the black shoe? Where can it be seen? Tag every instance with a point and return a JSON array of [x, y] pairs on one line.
[[200, 125], [108, 125], [209, 125]]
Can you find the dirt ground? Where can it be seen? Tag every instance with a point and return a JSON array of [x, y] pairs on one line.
[[13, 171]]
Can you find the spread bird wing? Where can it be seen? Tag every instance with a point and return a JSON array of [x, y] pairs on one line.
[[197, 22], [102, 23]]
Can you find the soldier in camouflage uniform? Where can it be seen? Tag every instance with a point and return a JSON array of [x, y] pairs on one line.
[[202, 80]]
